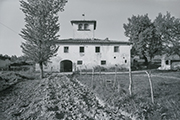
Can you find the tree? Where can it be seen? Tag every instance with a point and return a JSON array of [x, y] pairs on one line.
[[149, 43], [142, 33], [40, 29], [4, 57], [14, 58], [168, 27]]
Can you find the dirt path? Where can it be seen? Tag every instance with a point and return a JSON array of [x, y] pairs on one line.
[[163, 76], [56, 97]]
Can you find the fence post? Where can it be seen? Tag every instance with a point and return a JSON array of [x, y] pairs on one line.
[[92, 78], [151, 87], [130, 73], [118, 87], [115, 76], [130, 81]]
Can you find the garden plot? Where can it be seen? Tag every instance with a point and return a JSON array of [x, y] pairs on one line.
[[113, 90], [56, 97]]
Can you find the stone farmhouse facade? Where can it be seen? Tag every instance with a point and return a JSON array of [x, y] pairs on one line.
[[83, 51]]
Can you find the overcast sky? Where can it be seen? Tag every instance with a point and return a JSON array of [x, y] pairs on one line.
[[110, 16]]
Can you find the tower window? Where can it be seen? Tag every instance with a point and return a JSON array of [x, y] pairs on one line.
[[66, 49], [86, 26], [81, 49], [116, 48], [80, 27], [103, 62], [97, 49]]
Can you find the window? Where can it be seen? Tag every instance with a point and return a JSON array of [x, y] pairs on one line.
[[167, 62], [125, 61], [86, 26], [81, 49], [103, 62], [80, 27], [116, 48], [66, 49], [79, 62], [97, 49]]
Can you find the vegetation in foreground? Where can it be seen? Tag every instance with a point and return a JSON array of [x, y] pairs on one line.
[[166, 86], [21, 101], [55, 97]]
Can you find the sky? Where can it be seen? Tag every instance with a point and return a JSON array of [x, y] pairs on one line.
[[109, 14]]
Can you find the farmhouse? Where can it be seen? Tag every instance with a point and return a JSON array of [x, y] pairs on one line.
[[84, 51]]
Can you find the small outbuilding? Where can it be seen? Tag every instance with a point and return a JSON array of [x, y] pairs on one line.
[[171, 62]]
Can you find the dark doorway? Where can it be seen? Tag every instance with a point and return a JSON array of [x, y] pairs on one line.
[[66, 66]]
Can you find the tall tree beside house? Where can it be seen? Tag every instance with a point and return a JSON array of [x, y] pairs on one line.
[[142, 33], [41, 17], [168, 27]]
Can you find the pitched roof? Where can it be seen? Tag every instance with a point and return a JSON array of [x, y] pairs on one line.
[[91, 41], [173, 57]]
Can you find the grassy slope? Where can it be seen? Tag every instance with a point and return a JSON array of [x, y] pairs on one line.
[[166, 93]]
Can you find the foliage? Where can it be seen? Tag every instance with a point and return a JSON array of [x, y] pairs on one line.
[[168, 27], [150, 44], [14, 58], [142, 33], [4, 57], [40, 29], [8, 79], [99, 68], [162, 36]]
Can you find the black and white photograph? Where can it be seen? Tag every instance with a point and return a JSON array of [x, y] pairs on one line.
[[89, 59]]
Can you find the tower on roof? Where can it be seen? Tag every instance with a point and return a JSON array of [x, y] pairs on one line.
[[83, 29]]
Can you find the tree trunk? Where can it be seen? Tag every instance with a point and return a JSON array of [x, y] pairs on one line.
[[41, 70], [150, 63], [146, 61]]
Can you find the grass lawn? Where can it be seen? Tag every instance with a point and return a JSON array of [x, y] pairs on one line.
[[166, 88]]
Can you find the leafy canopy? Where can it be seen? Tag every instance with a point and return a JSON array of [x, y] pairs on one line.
[[41, 18], [142, 33], [168, 27]]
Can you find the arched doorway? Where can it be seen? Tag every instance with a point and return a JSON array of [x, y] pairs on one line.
[[66, 66]]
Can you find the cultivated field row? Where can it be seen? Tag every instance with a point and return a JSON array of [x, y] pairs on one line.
[[55, 97]]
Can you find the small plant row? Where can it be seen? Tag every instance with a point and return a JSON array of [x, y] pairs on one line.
[[67, 99]]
